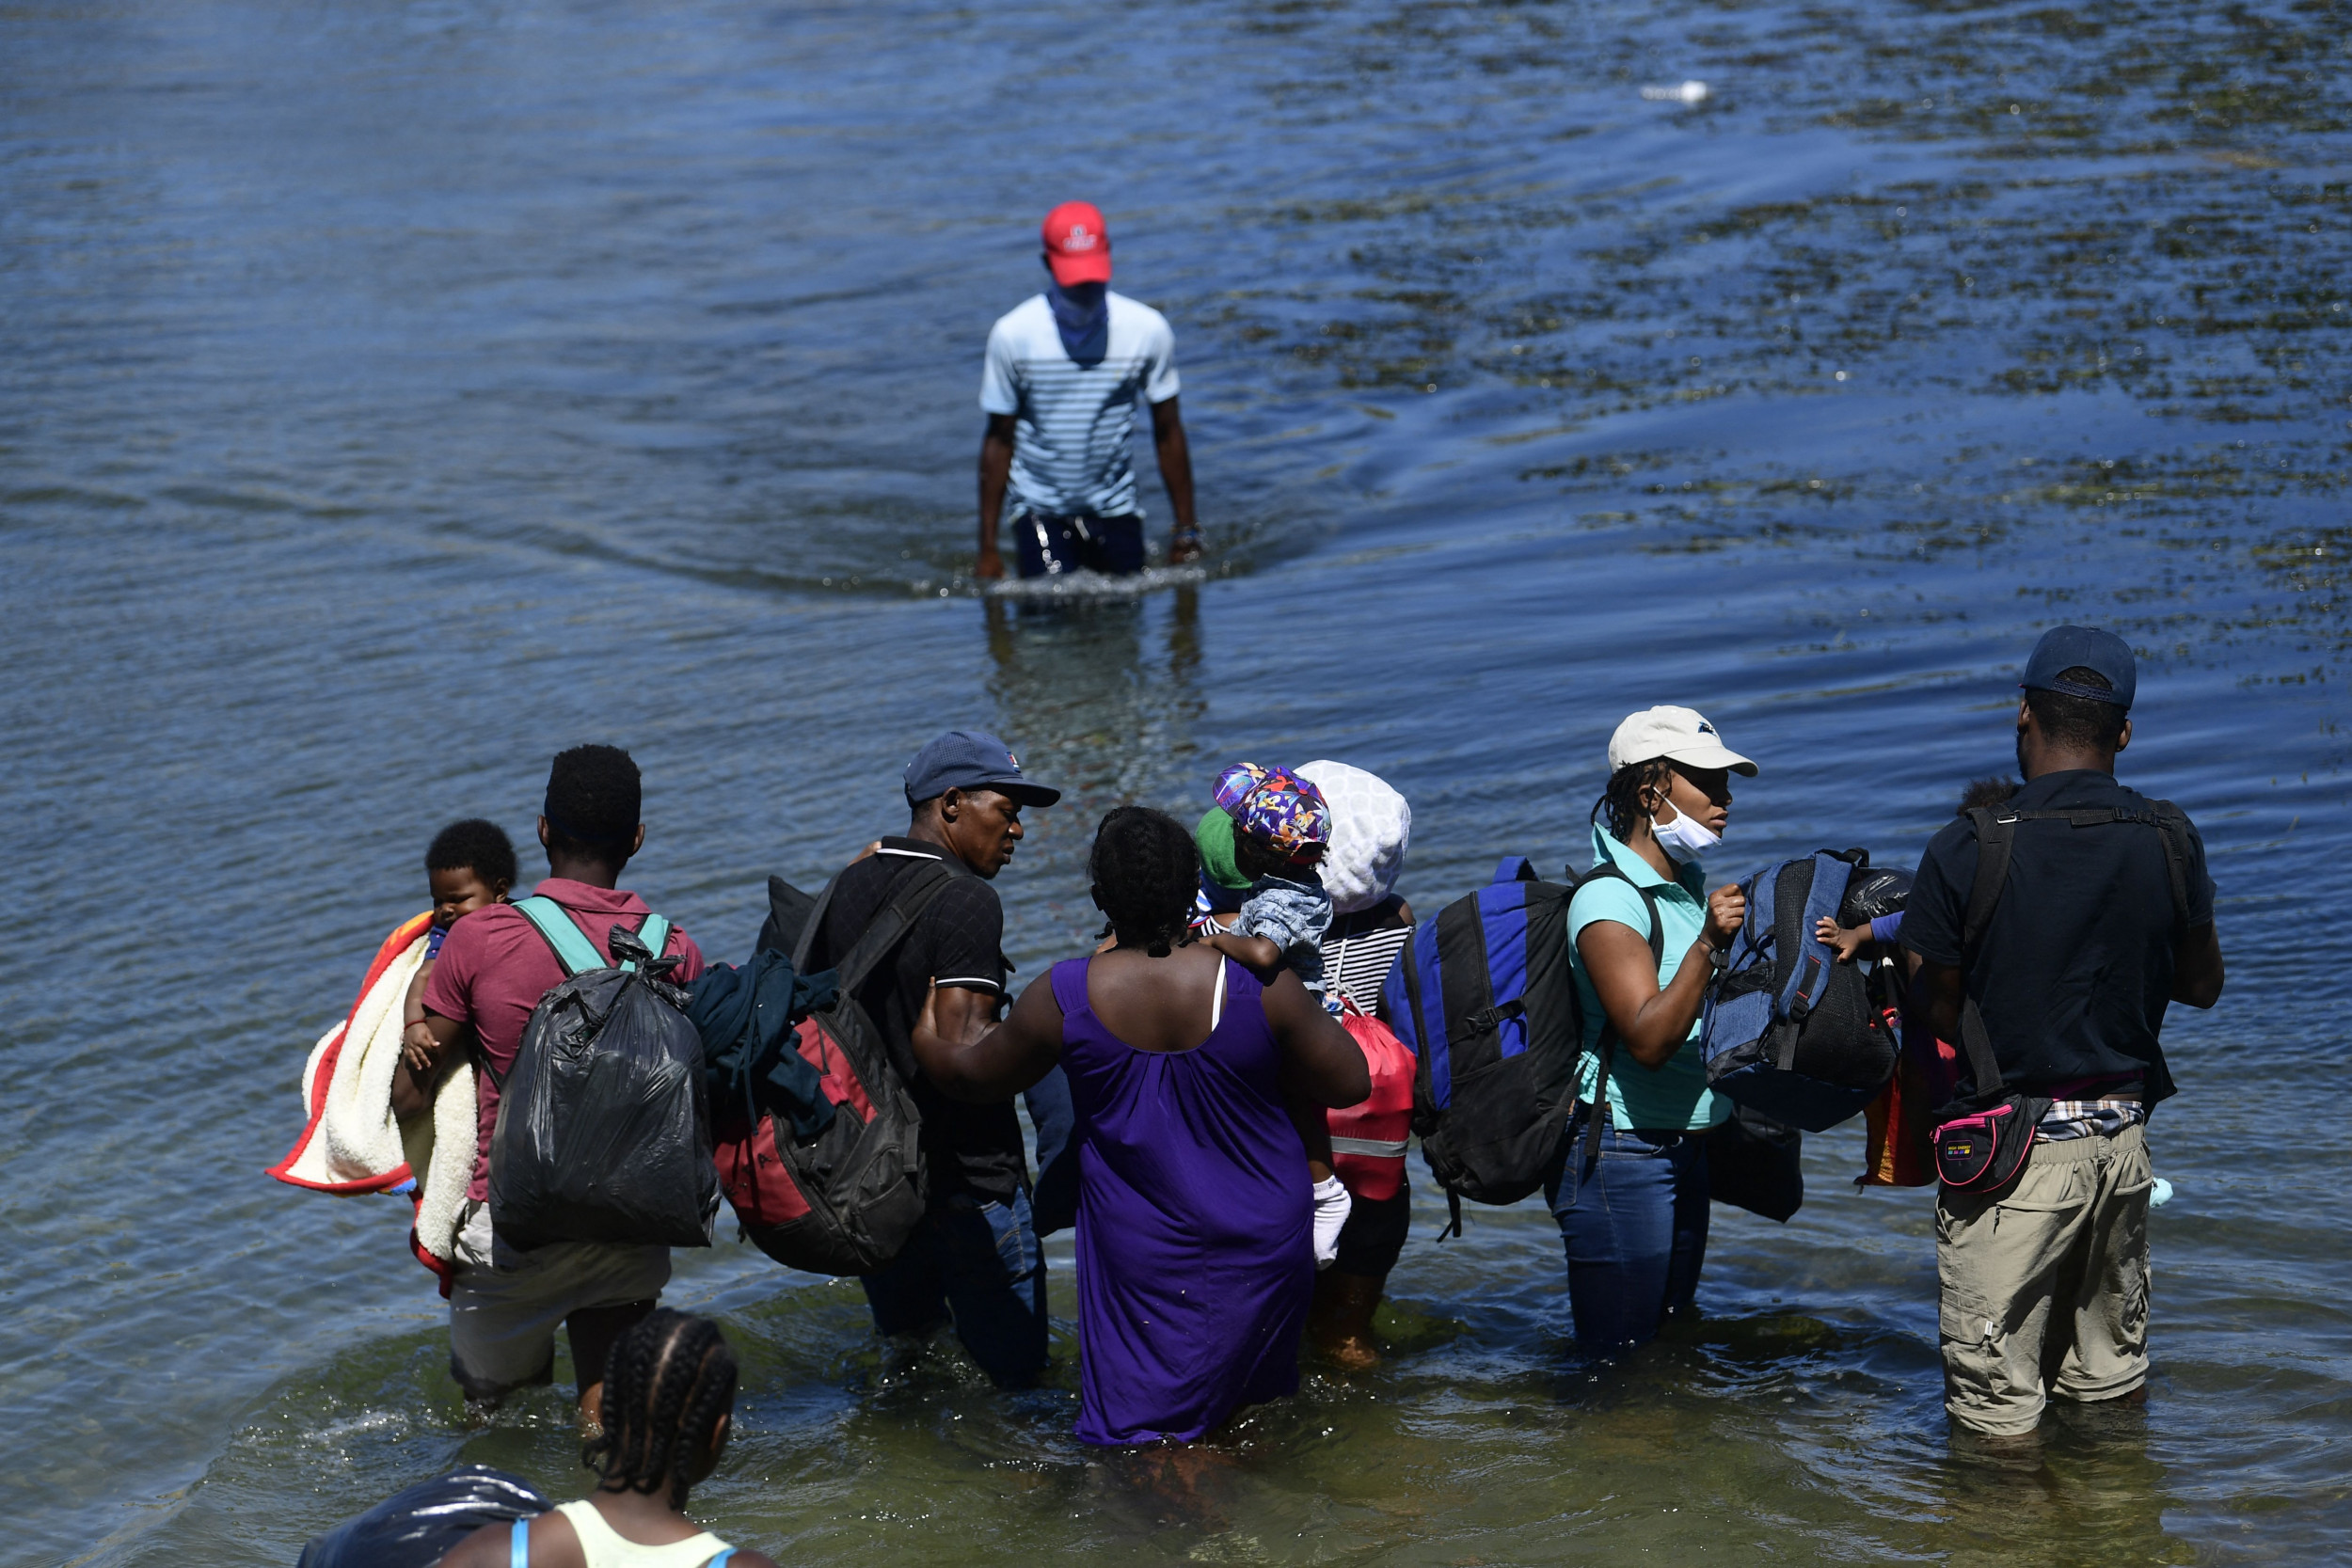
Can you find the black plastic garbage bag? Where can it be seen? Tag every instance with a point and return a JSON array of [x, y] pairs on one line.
[[603, 1128], [417, 1527]]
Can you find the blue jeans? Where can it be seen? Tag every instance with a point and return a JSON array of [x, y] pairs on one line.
[[1634, 1230], [975, 1266], [1056, 1118]]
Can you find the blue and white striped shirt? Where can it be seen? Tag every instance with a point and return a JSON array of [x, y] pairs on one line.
[[1074, 422]]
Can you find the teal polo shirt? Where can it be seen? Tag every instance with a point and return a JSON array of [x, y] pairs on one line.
[[1672, 1094]]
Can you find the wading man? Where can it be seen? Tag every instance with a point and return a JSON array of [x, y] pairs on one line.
[[1064, 372], [503, 1304], [2062, 961], [975, 1260]]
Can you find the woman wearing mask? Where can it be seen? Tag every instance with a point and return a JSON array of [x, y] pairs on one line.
[[1631, 1196]]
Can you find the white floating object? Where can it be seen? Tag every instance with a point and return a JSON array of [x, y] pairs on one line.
[[1689, 92], [2160, 1195]]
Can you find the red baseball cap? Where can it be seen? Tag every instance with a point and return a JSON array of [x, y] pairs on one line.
[[1077, 243]]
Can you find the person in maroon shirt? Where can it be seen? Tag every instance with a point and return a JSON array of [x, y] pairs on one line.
[[505, 1305]]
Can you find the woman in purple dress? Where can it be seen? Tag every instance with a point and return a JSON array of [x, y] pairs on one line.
[[1195, 1260]]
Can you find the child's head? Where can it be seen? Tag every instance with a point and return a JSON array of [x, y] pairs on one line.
[[470, 863], [1985, 792], [1281, 823], [669, 1391]]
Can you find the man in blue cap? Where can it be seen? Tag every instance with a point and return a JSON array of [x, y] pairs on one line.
[[974, 1262], [2052, 932]]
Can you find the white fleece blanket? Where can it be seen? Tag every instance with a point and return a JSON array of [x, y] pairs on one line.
[[353, 1142]]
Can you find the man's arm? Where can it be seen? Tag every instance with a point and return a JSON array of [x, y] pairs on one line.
[[995, 473], [2197, 967], [970, 1059], [1175, 454], [414, 1080]]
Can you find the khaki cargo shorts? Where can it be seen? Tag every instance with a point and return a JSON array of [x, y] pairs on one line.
[[2045, 1284], [505, 1305]]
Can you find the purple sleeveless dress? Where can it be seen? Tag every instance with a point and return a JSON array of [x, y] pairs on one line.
[[1196, 1252]]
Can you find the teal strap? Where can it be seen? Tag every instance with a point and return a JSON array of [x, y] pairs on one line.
[[655, 934], [575, 952], [518, 1546], [720, 1561]]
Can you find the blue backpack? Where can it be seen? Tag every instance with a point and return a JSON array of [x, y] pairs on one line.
[[1484, 998], [1789, 1031]]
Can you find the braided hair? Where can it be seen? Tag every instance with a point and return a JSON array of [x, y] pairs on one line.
[[669, 1380], [1146, 870], [1622, 799]]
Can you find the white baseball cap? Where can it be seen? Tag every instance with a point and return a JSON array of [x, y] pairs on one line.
[[1677, 734]]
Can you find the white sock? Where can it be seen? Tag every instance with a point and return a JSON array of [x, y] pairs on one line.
[[1332, 1206]]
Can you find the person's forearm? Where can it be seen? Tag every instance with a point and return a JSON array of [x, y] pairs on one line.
[[412, 1008], [1175, 454], [996, 474], [1664, 1021]]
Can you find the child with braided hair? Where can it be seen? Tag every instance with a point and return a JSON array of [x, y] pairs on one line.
[[669, 1395]]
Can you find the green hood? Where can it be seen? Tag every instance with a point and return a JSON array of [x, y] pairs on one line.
[[1216, 838]]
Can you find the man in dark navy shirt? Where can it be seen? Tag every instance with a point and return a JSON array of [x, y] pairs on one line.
[[974, 1262], [2044, 1282]]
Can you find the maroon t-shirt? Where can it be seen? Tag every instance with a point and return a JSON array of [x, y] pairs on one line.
[[495, 966]]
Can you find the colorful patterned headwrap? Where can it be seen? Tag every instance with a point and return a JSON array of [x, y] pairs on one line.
[[1278, 808]]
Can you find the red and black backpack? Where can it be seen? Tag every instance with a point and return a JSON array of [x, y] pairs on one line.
[[844, 1201]]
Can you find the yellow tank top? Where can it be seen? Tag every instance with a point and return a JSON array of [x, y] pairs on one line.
[[604, 1547]]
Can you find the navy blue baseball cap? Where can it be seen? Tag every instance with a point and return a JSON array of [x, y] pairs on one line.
[[2064, 648], [971, 759]]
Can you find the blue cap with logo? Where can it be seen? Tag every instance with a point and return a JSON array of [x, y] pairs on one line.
[[971, 759], [2064, 648]]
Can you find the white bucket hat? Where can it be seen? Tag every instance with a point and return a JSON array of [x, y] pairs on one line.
[[1371, 828], [1677, 734]]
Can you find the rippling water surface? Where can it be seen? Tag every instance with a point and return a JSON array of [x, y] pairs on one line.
[[394, 394]]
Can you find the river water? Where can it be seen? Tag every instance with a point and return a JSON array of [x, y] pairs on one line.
[[391, 394]]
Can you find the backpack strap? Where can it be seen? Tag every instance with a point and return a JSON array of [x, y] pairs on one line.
[[575, 952], [889, 926], [2172, 830], [655, 933], [518, 1545], [1811, 965]]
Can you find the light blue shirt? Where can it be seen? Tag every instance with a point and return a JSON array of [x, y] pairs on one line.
[[1672, 1094]]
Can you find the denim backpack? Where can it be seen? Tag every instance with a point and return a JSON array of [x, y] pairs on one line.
[[1484, 998], [1789, 1031]]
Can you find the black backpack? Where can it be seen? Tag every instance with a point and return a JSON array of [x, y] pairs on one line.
[[843, 1199], [1790, 1032], [1485, 997], [603, 1130]]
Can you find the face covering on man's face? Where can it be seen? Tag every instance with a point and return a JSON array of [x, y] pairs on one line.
[[1683, 836]]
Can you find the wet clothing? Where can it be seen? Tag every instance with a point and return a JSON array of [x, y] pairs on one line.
[[495, 966], [505, 1305], [1049, 546], [2043, 1285], [1634, 1229], [969, 1151], [1196, 1259], [1073, 422], [2075, 969], [1672, 1094], [1373, 1236], [977, 1265]]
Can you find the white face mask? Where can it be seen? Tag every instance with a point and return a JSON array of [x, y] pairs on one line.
[[1683, 836]]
